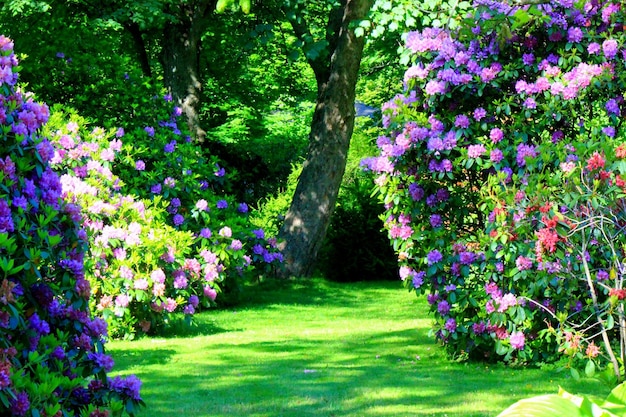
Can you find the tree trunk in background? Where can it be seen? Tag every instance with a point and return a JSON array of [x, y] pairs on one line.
[[307, 220], [180, 57]]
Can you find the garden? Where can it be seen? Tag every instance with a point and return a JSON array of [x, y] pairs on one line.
[[248, 246]]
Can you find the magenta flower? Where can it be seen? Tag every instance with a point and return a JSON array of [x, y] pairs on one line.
[[517, 340], [210, 292]]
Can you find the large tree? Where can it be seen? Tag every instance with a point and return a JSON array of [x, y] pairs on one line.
[[173, 32], [336, 72]]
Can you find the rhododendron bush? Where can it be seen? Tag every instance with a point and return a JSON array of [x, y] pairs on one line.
[[164, 236], [52, 358], [503, 176]]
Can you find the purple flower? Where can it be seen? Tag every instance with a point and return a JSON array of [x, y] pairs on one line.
[[40, 326], [259, 233], [169, 182], [612, 107], [479, 328], [523, 263], [574, 35], [205, 233], [20, 404], [435, 220], [180, 280], [593, 48], [443, 307], [524, 151], [170, 147], [602, 275], [480, 113], [496, 134], [178, 219], [609, 131], [433, 257], [528, 59], [140, 165], [222, 204], [242, 208], [102, 360], [210, 292], [149, 130], [155, 189], [418, 279], [462, 121], [450, 325], [236, 244], [609, 48], [496, 156]]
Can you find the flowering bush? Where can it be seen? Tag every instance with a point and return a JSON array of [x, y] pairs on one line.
[[502, 178], [163, 238], [52, 358]]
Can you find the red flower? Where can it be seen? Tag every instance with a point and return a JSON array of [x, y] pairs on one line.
[[548, 239], [595, 162], [620, 294], [620, 151]]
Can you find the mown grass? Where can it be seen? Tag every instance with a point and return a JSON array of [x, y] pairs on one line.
[[314, 348]]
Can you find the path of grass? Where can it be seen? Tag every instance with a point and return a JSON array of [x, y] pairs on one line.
[[322, 349]]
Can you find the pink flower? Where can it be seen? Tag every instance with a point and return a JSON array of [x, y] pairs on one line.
[[210, 292], [517, 340], [475, 151]]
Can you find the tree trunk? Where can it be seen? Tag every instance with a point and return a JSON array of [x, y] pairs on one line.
[[180, 57], [307, 220]]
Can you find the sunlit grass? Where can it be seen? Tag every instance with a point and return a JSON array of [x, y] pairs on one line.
[[313, 348]]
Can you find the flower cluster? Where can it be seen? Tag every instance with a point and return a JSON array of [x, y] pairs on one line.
[[52, 359], [500, 136], [164, 239]]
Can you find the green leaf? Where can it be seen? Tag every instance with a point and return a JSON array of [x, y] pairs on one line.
[[618, 395], [222, 4], [543, 406], [590, 368], [245, 6]]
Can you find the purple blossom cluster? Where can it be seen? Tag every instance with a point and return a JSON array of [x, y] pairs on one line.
[[44, 311], [482, 113]]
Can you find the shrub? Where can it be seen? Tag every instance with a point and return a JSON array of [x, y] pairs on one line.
[[164, 239], [52, 358], [475, 173]]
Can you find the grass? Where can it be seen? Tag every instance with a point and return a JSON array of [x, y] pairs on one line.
[[314, 348]]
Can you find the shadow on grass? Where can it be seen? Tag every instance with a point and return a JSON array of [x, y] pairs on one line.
[[396, 373], [313, 292]]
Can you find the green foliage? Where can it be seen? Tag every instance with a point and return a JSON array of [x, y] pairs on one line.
[[273, 208], [566, 404], [52, 351], [356, 247]]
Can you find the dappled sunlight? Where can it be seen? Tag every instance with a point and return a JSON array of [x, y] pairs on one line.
[[297, 359]]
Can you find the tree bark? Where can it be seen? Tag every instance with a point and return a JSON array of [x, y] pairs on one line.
[[307, 220], [180, 56]]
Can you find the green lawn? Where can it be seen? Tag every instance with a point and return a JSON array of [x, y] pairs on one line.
[[315, 348]]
